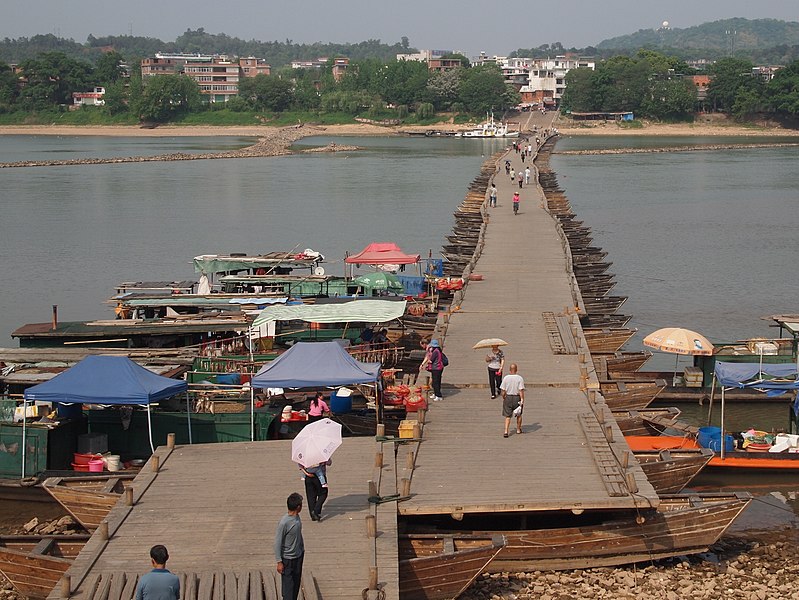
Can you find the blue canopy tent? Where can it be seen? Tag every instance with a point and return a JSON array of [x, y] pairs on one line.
[[772, 379], [108, 380], [313, 365]]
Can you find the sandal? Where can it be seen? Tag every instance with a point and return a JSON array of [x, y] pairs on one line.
[[504, 435], [519, 432]]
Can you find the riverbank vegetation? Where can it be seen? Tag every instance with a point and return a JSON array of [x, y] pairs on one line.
[[660, 87]]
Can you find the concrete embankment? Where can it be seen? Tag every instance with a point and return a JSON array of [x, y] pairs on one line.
[[696, 148], [277, 144]]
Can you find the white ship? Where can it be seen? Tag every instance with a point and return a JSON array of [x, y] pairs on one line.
[[489, 129]]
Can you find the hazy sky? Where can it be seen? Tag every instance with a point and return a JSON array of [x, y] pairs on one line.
[[496, 27]]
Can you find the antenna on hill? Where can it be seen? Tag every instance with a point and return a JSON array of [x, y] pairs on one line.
[[731, 34], [130, 28]]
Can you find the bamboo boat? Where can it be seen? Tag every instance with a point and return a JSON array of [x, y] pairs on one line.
[[669, 471], [607, 339], [433, 567], [681, 524], [88, 499], [592, 268], [612, 321], [35, 563], [630, 395]]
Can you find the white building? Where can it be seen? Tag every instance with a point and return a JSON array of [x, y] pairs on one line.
[[93, 98], [547, 78]]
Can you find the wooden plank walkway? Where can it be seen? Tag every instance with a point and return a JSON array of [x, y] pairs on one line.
[[216, 507], [564, 460]]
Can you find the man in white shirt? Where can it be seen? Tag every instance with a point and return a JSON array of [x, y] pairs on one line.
[[512, 387]]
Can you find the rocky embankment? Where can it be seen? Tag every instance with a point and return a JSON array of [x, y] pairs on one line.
[[276, 144], [697, 148], [736, 568]]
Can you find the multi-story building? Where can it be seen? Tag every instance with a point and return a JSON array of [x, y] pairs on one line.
[[309, 64], [547, 79], [217, 76], [93, 98], [340, 66], [434, 59], [516, 71]]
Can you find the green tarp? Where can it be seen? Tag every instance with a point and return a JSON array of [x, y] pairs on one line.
[[359, 311]]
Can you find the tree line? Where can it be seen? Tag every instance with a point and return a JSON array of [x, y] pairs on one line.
[[653, 85], [370, 87]]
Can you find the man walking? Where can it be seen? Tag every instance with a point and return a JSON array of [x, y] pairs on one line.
[[492, 195], [160, 583], [512, 387], [290, 548], [527, 176]]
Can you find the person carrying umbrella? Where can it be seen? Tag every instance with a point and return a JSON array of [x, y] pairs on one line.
[[311, 450], [316, 488], [496, 363]]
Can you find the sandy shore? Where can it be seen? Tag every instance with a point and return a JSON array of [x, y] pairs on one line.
[[565, 126]]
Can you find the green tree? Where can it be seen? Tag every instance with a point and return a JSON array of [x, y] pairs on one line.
[[116, 98], [165, 97], [782, 92], [403, 81], [670, 99], [727, 77], [51, 78], [8, 87], [483, 89], [443, 87], [580, 92], [109, 69], [267, 92]]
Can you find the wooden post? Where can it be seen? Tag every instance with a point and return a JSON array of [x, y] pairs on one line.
[[410, 460], [381, 430], [379, 460], [417, 430], [609, 432], [371, 526], [584, 372], [632, 485], [581, 357], [372, 489], [421, 414], [129, 496], [583, 382], [625, 460], [372, 578], [155, 461], [170, 440], [66, 586], [103, 529], [406, 486], [600, 416]]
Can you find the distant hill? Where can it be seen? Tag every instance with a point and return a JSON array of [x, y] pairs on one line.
[[749, 35]]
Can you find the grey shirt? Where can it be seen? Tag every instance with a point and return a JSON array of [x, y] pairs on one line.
[[288, 539], [158, 584]]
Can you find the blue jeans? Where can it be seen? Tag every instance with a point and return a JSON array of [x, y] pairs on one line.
[[291, 578]]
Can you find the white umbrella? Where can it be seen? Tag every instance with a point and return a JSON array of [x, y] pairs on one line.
[[316, 442], [489, 343]]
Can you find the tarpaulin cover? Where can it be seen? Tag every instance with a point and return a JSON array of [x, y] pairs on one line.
[[775, 379], [357, 311], [106, 380], [313, 365], [382, 253]]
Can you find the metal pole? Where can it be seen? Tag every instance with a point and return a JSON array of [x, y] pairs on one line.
[[721, 451], [24, 434], [150, 427], [188, 413]]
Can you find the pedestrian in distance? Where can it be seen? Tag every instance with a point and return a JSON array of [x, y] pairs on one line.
[[526, 175], [515, 203], [492, 195], [523, 155], [316, 488], [512, 387], [160, 583], [512, 175], [290, 548], [496, 363], [507, 167], [434, 361], [520, 178]]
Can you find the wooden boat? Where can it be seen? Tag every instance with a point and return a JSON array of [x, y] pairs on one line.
[[630, 395], [619, 361], [669, 471], [34, 563], [88, 499], [681, 524], [603, 304], [646, 422], [611, 321], [737, 459], [435, 567], [607, 339]]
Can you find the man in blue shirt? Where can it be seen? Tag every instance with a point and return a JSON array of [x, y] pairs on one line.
[[160, 583], [290, 548]]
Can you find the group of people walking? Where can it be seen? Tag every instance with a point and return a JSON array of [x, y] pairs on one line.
[[510, 387]]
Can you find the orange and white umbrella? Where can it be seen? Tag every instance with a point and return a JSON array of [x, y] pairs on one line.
[[677, 340]]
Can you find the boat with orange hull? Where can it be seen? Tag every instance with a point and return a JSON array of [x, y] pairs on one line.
[[736, 459]]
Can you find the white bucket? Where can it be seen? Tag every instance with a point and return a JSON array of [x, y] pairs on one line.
[[112, 462]]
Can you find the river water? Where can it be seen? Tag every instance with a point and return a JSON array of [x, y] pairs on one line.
[[703, 240]]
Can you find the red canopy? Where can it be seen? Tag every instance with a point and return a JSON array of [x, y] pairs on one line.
[[382, 253]]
